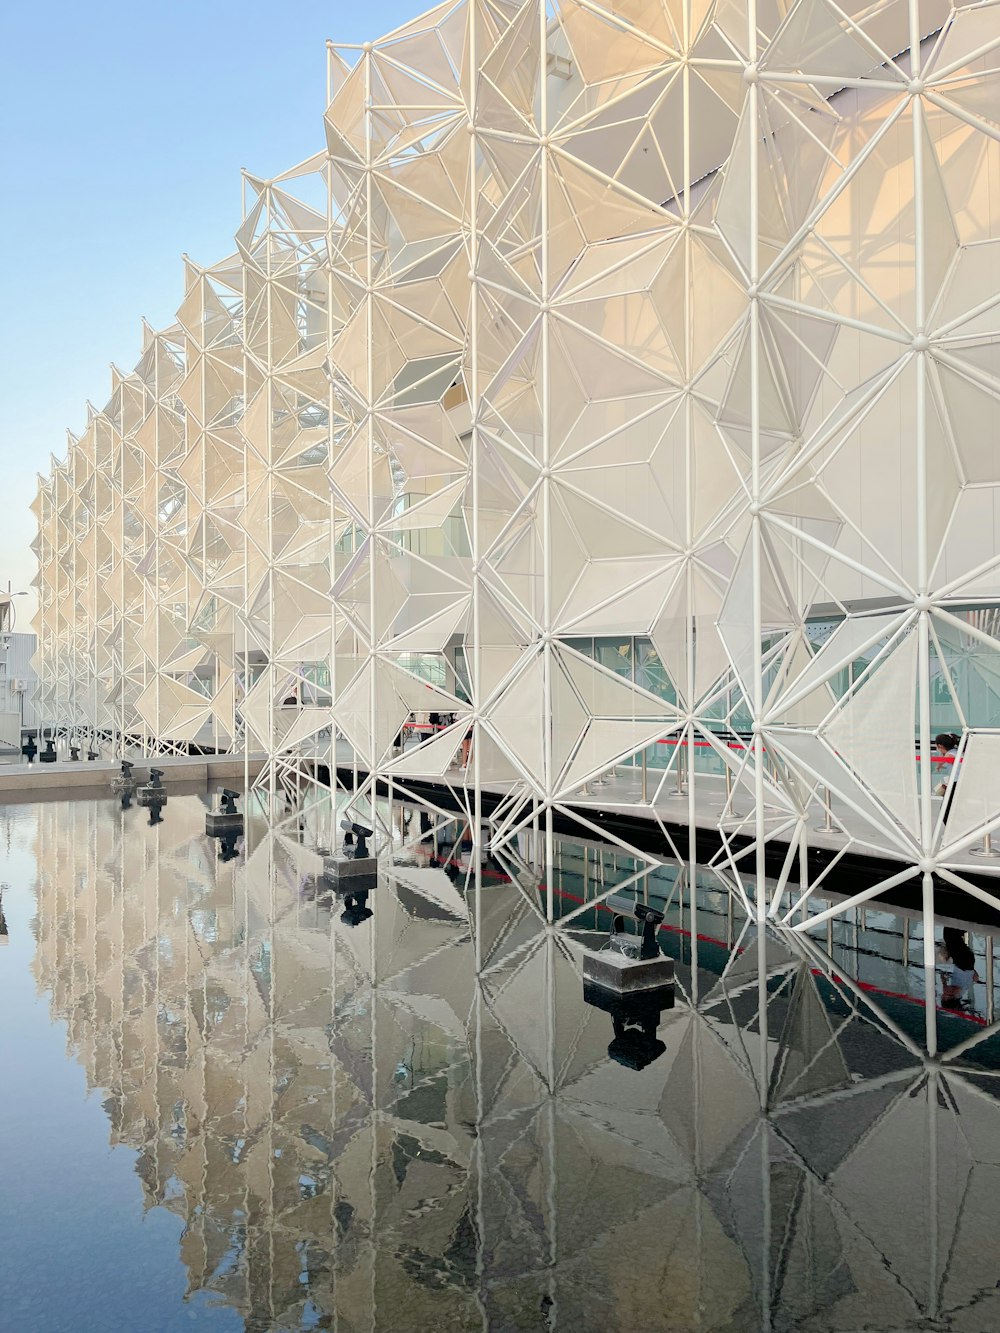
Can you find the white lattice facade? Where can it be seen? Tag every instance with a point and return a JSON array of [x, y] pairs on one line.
[[665, 325]]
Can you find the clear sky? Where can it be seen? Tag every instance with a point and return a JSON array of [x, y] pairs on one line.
[[124, 128]]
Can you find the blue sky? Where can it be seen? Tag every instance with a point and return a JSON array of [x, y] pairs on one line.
[[124, 130]]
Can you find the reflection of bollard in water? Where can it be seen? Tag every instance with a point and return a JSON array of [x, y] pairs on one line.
[[827, 824], [227, 846], [632, 980], [356, 909]]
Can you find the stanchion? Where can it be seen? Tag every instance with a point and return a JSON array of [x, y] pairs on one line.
[[681, 786], [986, 848], [645, 792], [727, 805], [827, 824]]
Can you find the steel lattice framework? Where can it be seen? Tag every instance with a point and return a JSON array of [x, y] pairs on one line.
[[668, 320]]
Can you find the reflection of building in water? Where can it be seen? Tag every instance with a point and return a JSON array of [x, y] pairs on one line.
[[234, 1025], [359, 1137]]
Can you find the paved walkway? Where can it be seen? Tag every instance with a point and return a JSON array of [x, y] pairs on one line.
[[82, 777]]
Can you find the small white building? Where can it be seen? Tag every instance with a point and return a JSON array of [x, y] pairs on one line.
[[18, 682]]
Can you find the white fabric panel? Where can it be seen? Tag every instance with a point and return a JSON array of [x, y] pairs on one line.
[[810, 710], [977, 793], [815, 761], [845, 642], [434, 757], [606, 695], [306, 722], [607, 743], [873, 731], [516, 719]]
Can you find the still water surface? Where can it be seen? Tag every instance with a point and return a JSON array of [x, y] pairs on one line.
[[226, 1105]]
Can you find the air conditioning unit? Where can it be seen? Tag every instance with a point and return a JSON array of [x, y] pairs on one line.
[[18, 686]]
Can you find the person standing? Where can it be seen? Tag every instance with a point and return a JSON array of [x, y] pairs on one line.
[[957, 989], [946, 747]]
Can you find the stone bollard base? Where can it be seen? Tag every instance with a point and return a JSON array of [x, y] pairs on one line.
[[626, 976]]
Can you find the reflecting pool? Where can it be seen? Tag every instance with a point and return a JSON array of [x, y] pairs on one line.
[[232, 1101]]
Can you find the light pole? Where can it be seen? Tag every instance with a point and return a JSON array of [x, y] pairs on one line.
[[7, 617]]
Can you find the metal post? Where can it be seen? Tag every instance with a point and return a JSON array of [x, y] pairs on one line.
[[986, 848], [827, 824], [645, 791]]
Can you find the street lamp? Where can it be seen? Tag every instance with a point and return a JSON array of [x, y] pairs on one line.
[[7, 616]]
